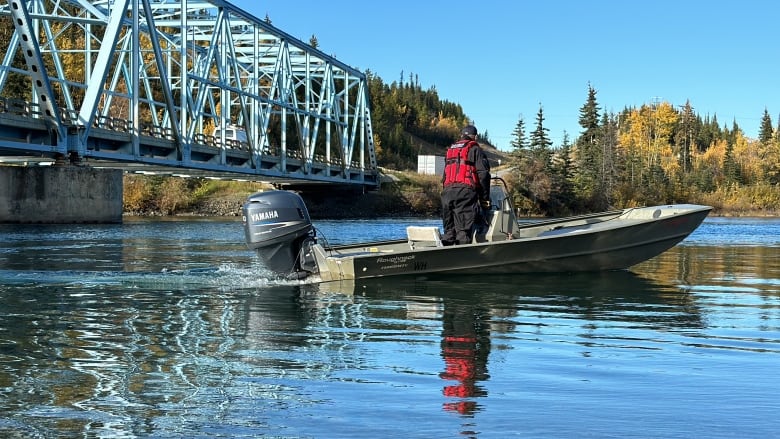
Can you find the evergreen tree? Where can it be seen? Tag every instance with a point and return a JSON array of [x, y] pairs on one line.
[[765, 132], [519, 142], [730, 165], [485, 137], [540, 141], [589, 154], [607, 158], [684, 136], [562, 176], [563, 163], [735, 129], [589, 117], [705, 136], [533, 169], [715, 130]]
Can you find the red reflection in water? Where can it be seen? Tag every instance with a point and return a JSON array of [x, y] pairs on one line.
[[465, 347]]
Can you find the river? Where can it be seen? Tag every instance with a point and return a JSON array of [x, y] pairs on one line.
[[169, 328]]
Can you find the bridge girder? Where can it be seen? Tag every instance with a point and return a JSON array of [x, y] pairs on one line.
[[184, 68]]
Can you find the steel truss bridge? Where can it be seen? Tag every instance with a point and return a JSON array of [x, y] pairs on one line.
[[151, 86]]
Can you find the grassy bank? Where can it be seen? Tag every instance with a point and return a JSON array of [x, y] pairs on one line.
[[401, 194]]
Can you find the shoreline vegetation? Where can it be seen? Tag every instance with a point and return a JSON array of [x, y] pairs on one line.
[[402, 194]]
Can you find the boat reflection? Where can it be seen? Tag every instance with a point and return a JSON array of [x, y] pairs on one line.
[[473, 309], [612, 295]]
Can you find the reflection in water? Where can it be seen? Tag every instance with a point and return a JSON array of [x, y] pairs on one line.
[[465, 347], [621, 295], [465, 329], [136, 353], [226, 352], [471, 310]]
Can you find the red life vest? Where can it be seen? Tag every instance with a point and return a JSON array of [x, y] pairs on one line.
[[458, 168]]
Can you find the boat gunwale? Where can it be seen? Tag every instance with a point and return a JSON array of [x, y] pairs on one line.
[[351, 250]]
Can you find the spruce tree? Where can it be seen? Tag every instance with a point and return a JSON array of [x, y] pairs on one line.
[[540, 140], [765, 132], [519, 141], [535, 168], [684, 137], [589, 161], [607, 156], [589, 117], [562, 176], [730, 166]]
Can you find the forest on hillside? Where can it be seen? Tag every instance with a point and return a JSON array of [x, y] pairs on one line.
[[654, 154], [407, 119]]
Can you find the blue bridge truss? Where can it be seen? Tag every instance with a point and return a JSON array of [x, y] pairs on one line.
[[191, 88]]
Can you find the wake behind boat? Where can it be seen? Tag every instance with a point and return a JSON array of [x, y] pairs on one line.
[[278, 227]]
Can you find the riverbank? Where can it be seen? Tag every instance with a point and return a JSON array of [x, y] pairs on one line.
[[374, 205], [369, 205], [402, 194]]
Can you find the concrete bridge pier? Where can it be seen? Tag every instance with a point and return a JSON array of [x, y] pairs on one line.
[[65, 194]]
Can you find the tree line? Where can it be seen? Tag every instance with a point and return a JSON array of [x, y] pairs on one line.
[[657, 153], [654, 154]]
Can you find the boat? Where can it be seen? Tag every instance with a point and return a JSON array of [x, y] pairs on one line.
[[278, 228]]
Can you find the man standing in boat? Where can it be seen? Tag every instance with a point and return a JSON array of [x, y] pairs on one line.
[[466, 188]]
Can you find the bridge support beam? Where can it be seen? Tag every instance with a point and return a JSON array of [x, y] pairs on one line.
[[60, 195]]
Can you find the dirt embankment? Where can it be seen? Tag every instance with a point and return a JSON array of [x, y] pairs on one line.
[[331, 205]]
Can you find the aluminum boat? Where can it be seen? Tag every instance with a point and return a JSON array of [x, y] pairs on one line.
[[278, 227]]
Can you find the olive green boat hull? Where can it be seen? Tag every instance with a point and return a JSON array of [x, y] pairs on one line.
[[604, 241]]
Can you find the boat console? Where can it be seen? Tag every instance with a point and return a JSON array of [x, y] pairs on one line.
[[500, 221]]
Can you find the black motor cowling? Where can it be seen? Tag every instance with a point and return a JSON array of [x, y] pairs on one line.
[[277, 226]]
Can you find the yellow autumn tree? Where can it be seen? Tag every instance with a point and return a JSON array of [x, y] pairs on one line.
[[710, 162], [647, 139], [771, 161], [632, 140], [445, 124], [378, 149], [749, 155], [665, 119]]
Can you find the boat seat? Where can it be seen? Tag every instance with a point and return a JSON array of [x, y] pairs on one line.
[[419, 236]]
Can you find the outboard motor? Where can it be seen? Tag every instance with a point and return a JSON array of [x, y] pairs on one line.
[[277, 226]]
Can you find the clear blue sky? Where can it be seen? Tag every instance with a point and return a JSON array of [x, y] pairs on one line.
[[501, 59]]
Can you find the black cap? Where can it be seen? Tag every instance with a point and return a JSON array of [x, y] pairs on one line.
[[469, 130]]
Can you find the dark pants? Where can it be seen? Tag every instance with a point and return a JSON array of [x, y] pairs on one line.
[[459, 210]]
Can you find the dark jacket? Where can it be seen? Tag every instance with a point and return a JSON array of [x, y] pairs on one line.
[[477, 156]]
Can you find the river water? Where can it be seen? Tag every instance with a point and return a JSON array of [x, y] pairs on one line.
[[169, 328]]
